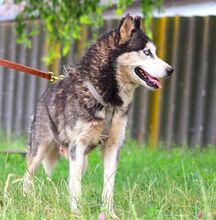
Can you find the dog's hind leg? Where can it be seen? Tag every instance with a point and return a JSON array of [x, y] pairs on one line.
[[34, 160], [50, 158]]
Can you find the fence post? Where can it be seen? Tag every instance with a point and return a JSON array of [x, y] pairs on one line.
[[54, 66], [174, 60], [159, 39], [82, 42]]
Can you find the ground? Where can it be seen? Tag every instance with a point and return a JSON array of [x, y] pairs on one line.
[[174, 184]]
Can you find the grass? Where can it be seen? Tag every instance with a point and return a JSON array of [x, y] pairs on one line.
[[175, 184], [18, 143]]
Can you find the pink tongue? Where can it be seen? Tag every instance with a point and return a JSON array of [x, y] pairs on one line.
[[155, 81]]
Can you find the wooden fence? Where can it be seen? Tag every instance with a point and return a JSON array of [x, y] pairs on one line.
[[183, 112]]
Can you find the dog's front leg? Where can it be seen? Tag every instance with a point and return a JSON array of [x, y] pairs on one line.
[[110, 159], [76, 158]]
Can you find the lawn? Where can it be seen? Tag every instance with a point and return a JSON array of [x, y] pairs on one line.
[[175, 184]]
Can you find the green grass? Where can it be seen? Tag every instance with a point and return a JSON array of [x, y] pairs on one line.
[[13, 142], [175, 184]]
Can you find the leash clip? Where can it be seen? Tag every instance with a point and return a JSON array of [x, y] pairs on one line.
[[53, 77]]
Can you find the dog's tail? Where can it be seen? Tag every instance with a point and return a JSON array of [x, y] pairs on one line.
[[50, 158]]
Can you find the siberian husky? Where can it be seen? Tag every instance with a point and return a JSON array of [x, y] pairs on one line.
[[71, 113]]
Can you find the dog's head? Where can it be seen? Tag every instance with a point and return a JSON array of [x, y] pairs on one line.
[[137, 55]]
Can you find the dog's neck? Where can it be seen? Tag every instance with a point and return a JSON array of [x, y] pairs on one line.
[[110, 80], [127, 87], [97, 67]]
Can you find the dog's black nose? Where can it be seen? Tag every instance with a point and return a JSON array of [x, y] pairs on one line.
[[169, 71]]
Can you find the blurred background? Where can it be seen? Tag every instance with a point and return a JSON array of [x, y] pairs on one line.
[[183, 113]]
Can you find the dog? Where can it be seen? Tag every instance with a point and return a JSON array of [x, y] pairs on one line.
[[70, 115]]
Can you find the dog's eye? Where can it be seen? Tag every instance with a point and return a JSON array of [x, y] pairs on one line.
[[147, 52]]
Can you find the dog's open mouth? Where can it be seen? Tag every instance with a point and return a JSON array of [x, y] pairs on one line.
[[150, 80]]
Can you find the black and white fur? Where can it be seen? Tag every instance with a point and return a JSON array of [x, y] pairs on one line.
[[68, 118]]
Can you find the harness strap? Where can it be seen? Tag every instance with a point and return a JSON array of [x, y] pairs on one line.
[[95, 93]]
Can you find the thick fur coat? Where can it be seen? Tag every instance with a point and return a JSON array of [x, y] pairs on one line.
[[69, 116]]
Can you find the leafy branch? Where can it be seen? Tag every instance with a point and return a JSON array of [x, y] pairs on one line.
[[62, 20]]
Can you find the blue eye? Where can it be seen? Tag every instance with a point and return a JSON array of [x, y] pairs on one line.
[[147, 52]]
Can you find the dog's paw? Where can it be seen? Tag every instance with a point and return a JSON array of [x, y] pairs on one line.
[[27, 185]]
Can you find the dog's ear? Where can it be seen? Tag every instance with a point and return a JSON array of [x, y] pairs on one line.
[[137, 22], [125, 31]]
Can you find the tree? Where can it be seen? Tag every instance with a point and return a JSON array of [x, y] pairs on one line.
[[63, 19]]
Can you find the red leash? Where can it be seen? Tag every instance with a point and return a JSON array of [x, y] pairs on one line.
[[12, 65]]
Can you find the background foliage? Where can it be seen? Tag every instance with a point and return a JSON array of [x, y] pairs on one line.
[[63, 19]]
